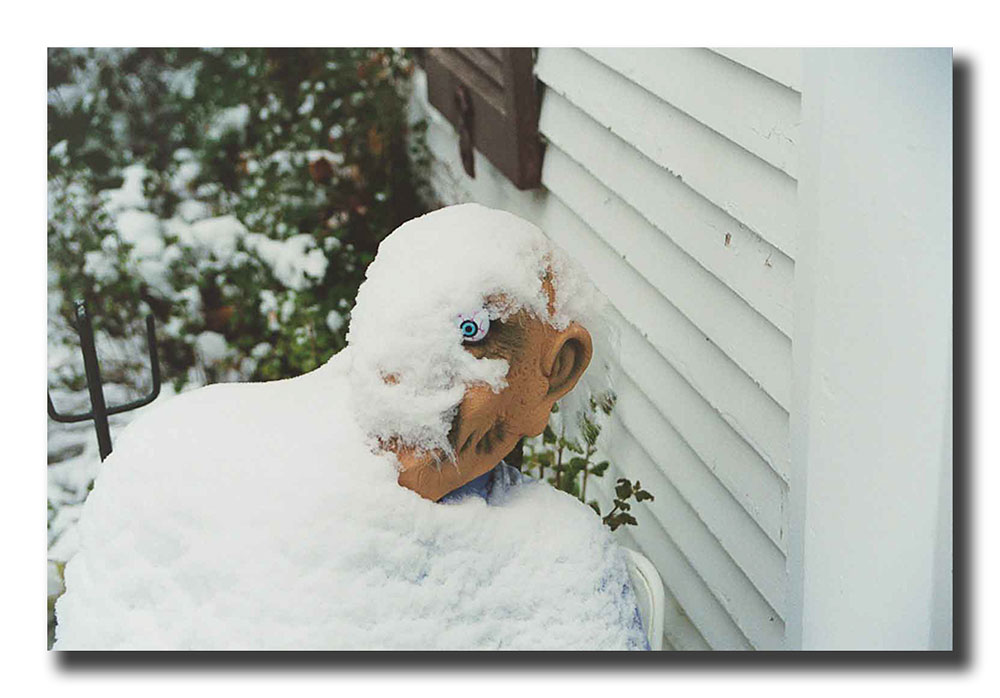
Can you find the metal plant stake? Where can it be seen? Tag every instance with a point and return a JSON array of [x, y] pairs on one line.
[[99, 411]]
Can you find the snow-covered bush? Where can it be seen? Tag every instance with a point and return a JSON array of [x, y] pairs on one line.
[[236, 192]]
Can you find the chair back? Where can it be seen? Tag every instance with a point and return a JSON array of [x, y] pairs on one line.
[[650, 596]]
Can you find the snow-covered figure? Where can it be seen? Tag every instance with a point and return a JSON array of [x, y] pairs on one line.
[[271, 515]]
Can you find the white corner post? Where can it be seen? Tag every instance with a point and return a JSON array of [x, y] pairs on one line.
[[870, 494]]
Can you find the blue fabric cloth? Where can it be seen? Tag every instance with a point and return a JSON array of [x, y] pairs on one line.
[[491, 486], [488, 486]]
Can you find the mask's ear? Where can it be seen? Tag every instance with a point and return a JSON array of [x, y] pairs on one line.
[[567, 359]]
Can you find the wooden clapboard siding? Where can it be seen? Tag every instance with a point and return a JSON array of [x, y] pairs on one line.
[[746, 107], [731, 177], [706, 301], [744, 603], [783, 65], [696, 563], [715, 239], [656, 332], [658, 320], [757, 485], [758, 558], [680, 206]]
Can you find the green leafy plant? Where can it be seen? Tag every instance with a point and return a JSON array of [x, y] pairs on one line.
[[625, 490], [567, 464]]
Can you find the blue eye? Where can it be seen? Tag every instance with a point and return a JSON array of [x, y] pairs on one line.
[[474, 326]]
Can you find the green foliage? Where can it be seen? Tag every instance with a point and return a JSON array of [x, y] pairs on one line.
[[551, 457], [624, 491], [291, 142]]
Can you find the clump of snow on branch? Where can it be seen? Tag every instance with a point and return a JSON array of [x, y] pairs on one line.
[[229, 120], [215, 236], [212, 347], [334, 320], [295, 262], [130, 194]]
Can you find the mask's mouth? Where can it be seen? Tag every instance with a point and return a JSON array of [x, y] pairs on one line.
[[481, 439], [493, 437]]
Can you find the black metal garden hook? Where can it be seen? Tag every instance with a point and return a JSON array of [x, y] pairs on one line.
[[99, 411]]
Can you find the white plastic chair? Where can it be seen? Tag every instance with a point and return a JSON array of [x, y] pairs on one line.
[[650, 596]]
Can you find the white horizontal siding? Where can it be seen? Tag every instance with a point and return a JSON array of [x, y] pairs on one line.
[[706, 565], [751, 190], [741, 104], [746, 336], [679, 633], [667, 329], [665, 401], [756, 270], [783, 65], [744, 603], [757, 556], [742, 469], [680, 207], [746, 472]]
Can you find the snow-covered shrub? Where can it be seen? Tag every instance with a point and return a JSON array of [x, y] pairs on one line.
[[190, 182]]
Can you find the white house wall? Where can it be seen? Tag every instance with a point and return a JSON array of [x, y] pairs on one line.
[[871, 483], [670, 176]]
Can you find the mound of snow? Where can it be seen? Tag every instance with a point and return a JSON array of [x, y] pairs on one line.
[[253, 516]]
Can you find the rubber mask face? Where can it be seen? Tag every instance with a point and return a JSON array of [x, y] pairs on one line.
[[544, 364]]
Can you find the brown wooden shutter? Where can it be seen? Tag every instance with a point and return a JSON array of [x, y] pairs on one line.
[[489, 95]]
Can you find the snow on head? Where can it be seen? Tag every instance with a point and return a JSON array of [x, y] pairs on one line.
[[410, 370]]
